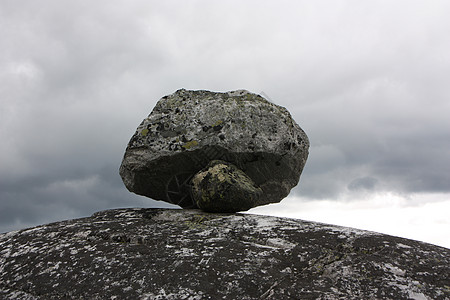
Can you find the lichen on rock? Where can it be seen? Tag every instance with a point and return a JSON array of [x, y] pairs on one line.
[[138, 253]]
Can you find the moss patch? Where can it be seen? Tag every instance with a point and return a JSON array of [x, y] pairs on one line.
[[190, 144], [144, 132]]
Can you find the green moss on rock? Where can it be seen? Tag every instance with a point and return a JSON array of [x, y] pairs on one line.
[[190, 144], [144, 132]]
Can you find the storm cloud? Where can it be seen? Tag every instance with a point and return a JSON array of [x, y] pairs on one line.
[[367, 81]]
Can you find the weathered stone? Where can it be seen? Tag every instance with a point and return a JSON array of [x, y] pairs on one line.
[[190, 254], [188, 129], [222, 187]]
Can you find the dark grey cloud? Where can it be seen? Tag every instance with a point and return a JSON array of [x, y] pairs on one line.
[[37, 200], [366, 81]]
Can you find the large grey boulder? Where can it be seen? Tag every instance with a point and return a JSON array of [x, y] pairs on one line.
[[188, 129], [190, 254]]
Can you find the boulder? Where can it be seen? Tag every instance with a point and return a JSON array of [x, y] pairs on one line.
[[188, 129], [190, 254], [222, 187]]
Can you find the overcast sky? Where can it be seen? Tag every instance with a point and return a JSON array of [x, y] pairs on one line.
[[367, 80]]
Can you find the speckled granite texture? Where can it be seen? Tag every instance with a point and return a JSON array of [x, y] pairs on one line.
[[190, 254]]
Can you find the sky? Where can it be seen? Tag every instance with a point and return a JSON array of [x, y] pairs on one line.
[[368, 81]]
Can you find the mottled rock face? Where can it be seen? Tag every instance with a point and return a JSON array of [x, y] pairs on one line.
[[190, 254], [188, 129], [222, 187]]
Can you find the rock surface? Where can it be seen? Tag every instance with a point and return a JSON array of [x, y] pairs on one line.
[[222, 187], [190, 254], [188, 129]]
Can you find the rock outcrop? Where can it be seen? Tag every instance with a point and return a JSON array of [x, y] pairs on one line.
[[188, 129], [190, 254]]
